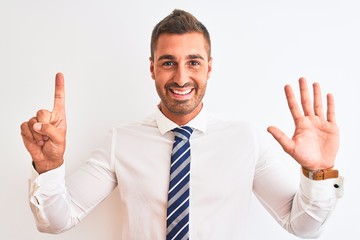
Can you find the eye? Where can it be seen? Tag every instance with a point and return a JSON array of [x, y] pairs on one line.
[[168, 64], [194, 63]]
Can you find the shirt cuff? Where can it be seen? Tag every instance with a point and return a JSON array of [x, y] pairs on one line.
[[322, 190], [48, 183]]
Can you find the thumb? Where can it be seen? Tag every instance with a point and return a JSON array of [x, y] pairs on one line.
[[49, 130], [281, 138]]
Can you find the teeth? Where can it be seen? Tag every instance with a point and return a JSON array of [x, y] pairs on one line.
[[182, 92]]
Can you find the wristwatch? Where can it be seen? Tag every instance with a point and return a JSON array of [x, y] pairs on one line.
[[321, 174]]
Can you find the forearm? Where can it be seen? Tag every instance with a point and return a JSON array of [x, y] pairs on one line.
[[301, 211], [50, 202], [54, 215], [57, 207], [312, 206]]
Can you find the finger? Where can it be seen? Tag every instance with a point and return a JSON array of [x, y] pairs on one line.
[[26, 133], [43, 116], [29, 140], [285, 142], [59, 97], [305, 98], [51, 131], [330, 108], [38, 138], [318, 108], [292, 103]]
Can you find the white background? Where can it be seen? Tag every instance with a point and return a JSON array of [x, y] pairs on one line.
[[102, 47]]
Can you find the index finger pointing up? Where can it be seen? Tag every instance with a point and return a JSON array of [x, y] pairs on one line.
[[59, 97]]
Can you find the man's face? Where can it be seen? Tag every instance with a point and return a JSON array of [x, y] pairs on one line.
[[181, 68]]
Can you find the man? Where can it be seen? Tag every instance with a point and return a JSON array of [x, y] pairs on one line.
[[207, 197]]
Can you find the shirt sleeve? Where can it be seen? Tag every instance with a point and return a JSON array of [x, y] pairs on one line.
[[302, 208], [58, 203]]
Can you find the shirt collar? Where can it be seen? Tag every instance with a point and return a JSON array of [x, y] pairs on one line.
[[165, 125]]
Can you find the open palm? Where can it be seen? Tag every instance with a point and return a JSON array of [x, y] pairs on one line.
[[315, 141]]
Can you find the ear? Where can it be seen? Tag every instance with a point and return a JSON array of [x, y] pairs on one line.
[[152, 68], [209, 67]]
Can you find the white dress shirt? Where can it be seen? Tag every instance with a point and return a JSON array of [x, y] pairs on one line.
[[228, 164]]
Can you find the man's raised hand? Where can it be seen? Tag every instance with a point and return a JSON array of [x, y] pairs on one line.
[[315, 141], [44, 135]]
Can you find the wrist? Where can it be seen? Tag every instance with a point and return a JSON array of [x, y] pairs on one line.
[[41, 168]]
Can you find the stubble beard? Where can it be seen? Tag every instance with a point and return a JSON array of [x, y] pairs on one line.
[[182, 107]]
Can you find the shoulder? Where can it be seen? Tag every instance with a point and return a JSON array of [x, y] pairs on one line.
[[222, 122], [232, 129], [145, 126]]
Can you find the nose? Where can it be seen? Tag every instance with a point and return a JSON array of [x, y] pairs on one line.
[[181, 76]]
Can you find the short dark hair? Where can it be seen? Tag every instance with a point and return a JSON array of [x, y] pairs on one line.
[[179, 22]]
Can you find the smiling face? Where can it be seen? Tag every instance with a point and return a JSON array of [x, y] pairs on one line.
[[181, 67]]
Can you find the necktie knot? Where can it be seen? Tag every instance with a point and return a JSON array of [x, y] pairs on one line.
[[183, 133]]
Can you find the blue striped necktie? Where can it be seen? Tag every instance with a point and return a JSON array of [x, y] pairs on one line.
[[178, 198]]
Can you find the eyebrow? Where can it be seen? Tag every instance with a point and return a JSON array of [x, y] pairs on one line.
[[188, 57], [166, 56], [194, 56]]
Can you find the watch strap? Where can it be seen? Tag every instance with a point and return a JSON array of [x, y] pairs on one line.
[[320, 174]]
